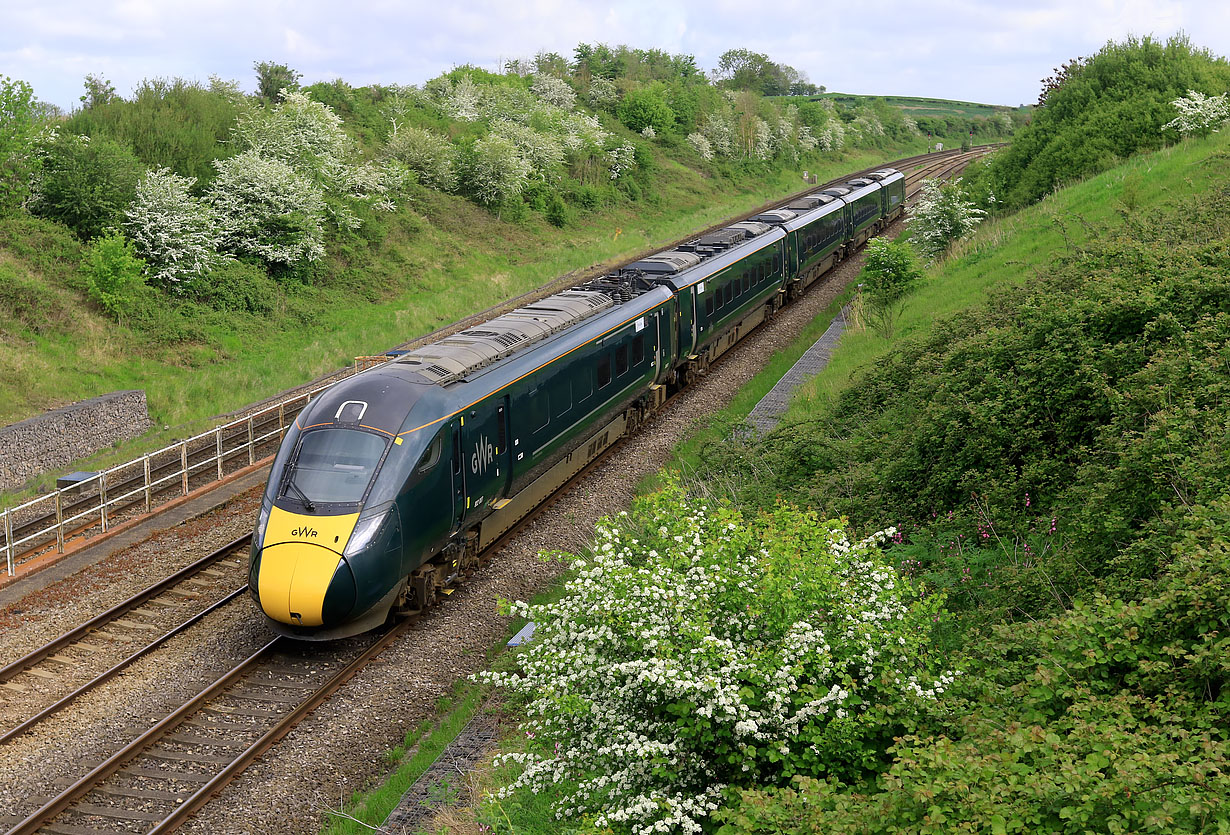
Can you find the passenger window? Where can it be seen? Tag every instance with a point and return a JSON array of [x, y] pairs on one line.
[[561, 399], [709, 306], [539, 409], [638, 349], [729, 293], [621, 360], [747, 282], [583, 386], [431, 456], [604, 370]]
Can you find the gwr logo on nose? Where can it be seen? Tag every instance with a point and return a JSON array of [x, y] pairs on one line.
[[304, 532]]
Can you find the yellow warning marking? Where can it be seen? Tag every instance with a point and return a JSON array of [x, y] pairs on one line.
[[397, 441]]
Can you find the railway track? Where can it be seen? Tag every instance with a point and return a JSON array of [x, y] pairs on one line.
[[50, 677], [934, 164]]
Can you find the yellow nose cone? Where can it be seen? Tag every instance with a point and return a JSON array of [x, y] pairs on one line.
[[299, 558]]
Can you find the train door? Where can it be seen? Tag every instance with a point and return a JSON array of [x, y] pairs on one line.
[[485, 456], [457, 467]]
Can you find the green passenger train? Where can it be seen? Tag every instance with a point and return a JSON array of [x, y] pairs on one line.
[[392, 481]]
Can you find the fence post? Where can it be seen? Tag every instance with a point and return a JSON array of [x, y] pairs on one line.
[[8, 539], [218, 438], [251, 443], [183, 464], [102, 496], [281, 420], [60, 521], [147, 484]]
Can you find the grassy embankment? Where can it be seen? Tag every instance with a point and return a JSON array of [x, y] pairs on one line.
[[1001, 253], [441, 258]]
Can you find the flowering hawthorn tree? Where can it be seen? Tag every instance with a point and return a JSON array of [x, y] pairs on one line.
[[1199, 114], [173, 230], [697, 652], [942, 215], [267, 208]]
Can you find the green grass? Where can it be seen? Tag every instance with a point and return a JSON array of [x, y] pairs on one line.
[[411, 760]]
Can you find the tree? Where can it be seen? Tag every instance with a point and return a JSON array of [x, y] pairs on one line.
[[85, 183], [742, 69], [495, 170], [98, 91], [272, 79], [890, 273], [646, 107], [19, 126], [429, 155]]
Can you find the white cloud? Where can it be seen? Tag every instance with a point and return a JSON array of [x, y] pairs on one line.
[[975, 50]]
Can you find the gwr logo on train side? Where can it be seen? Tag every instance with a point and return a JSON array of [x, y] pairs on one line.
[[483, 457]]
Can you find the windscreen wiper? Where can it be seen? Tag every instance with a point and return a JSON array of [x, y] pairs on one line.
[[290, 482]]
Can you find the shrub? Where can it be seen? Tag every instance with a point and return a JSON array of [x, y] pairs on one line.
[[697, 650], [85, 183], [646, 107], [429, 155], [113, 272], [235, 285], [267, 209], [19, 125], [890, 273], [495, 170]]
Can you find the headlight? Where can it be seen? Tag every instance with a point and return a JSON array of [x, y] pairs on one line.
[[258, 535], [365, 532]]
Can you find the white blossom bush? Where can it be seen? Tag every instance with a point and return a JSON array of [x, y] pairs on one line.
[[833, 137], [621, 159], [1199, 114], [172, 229], [701, 144], [581, 133], [602, 93], [719, 130], [462, 98], [554, 91], [496, 170], [697, 652], [943, 214], [303, 133], [763, 144], [429, 155], [648, 132], [268, 209], [542, 151]]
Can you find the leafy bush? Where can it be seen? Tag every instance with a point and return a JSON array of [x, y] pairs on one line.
[[113, 272], [646, 107], [1101, 110], [85, 183], [235, 285], [429, 155], [698, 650], [890, 273], [1112, 717], [19, 125]]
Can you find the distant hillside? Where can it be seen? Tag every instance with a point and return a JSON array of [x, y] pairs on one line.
[[916, 106]]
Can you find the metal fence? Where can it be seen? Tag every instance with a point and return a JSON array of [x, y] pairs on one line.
[[149, 481]]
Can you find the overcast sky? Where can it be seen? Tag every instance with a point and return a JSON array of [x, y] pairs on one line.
[[989, 51]]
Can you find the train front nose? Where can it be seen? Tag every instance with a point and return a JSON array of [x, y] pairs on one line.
[[298, 572], [302, 584]]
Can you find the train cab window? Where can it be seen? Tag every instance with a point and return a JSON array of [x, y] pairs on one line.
[[431, 455], [638, 349], [604, 370], [621, 360], [334, 465]]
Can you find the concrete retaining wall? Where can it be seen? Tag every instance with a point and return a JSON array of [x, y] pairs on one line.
[[57, 438]]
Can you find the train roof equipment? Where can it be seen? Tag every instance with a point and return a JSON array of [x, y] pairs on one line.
[[775, 217]]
